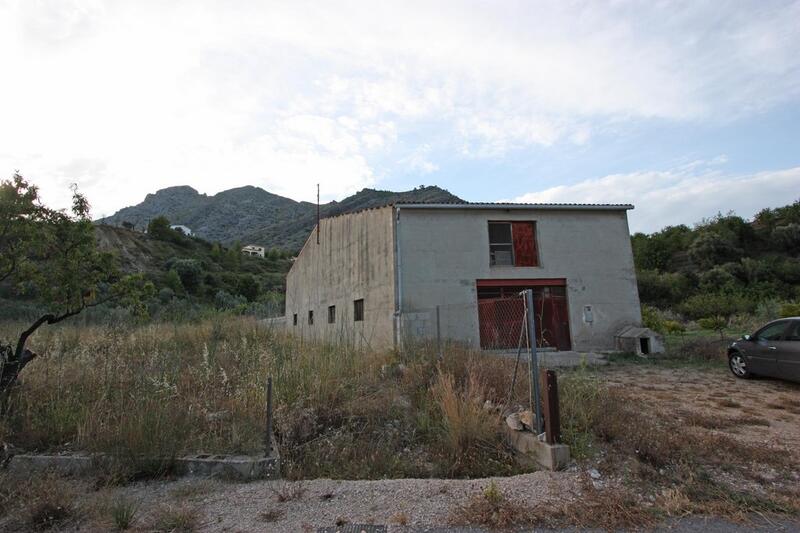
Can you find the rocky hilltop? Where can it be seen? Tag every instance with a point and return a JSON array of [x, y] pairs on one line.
[[252, 215]]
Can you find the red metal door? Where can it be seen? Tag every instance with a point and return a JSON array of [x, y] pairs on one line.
[[523, 235], [552, 320]]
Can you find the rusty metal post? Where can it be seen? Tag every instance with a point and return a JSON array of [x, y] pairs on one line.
[[268, 434], [536, 403], [552, 419]]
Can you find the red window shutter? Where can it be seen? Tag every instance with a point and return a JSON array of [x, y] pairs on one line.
[[524, 244]]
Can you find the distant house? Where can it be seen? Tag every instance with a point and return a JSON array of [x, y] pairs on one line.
[[253, 250], [183, 229]]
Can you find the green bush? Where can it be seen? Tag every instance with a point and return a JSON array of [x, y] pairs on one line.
[[226, 301], [662, 289], [788, 236], [190, 272], [790, 309], [717, 278], [710, 248], [673, 327], [651, 318], [712, 304]]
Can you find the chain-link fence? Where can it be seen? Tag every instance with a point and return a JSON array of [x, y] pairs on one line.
[[493, 323]]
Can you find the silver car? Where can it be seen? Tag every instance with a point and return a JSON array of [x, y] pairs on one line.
[[773, 350]]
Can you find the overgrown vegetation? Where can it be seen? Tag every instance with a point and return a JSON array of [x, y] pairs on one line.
[[723, 267], [342, 412], [145, 392]]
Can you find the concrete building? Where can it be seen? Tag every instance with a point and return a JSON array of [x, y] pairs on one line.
[[377, 276], [253, 250]]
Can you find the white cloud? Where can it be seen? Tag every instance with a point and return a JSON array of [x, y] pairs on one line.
[[128, 97], [419, 161], [684, 195]]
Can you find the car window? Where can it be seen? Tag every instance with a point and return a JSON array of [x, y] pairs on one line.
[[772, 332], [794, 331]]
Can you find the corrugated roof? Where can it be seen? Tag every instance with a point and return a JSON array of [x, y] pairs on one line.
[[494, 205]]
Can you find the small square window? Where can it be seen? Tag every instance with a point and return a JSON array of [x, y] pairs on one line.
[[358, 310], [311, 318], [294, 319], [331, 314]]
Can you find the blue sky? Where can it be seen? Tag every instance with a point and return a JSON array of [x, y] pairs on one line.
[[684, 109]]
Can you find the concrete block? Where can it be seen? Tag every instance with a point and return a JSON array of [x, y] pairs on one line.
[[233, 467], [63, 464], [549, 456]]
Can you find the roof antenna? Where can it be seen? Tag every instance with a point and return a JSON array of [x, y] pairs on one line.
[[317, 213]]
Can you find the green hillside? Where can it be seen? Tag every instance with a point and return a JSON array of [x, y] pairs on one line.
[[192, 269], [255, 216], [722, 266]]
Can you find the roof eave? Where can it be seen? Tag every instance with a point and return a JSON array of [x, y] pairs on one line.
[[529, 207]]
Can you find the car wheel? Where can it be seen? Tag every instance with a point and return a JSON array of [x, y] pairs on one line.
[[738, 365]]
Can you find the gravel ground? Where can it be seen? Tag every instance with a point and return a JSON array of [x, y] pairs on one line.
[[323, 502], [403, 505]]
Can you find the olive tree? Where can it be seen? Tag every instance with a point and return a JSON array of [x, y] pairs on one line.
[[51, 256]]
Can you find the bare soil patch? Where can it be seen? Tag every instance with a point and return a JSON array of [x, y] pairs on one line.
[[753, 412]]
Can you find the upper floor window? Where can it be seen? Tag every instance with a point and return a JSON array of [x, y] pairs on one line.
[[311, 318], [358, 310], [331, 314], [513, 244]]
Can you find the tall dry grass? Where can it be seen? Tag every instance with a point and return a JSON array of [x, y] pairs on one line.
[[157, 391]]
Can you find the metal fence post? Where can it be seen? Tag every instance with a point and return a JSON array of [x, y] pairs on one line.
[[268, 434], [536, 404], [438, 334]]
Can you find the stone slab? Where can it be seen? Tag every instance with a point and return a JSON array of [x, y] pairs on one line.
[[549, 456], [234, 467]]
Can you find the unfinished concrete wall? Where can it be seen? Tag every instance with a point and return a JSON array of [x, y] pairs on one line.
[[443, 252], [353, 260]]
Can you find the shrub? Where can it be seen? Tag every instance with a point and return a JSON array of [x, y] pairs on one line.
[[166, 294], [713, 304], [175, 519], [123, 512], [788, 236], [716, 279], [711, 248], [466, 424], [173, 281], [715, 323], [160, 228], [651, 318], [673, 326], [580, 401], [227, 301], [790, 309], [662, 289], [491, 508], [248, 287], [190, 272]]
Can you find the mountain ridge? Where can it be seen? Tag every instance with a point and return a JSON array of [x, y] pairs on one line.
[[253, 215]]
